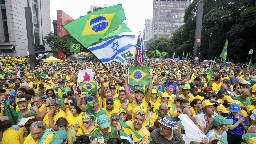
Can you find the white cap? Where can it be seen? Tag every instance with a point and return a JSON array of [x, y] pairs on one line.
[[244, 82]]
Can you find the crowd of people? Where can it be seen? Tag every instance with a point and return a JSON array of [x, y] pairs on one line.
[[47, 105]]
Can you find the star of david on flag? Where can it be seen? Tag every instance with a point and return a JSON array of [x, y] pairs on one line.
[[109, 50], [138, 75]]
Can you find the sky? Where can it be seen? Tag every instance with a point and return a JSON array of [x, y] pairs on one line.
[[136, 11]]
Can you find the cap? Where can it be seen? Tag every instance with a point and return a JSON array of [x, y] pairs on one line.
[[179, 99], [234, 107], [186, 87], [61, 122], [253, 116], [171, 77], [199, 97], [207, 103], [244, 82], [220, 120], [154, 91], [104, 121], [228, 99], [59, 137], [169, 122], [165, 94], [22, 100], [114, 116], [54, 102], [222, 109]]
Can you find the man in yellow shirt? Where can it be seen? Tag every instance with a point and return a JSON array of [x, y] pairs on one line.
[[216, 84], [54, 113], [110, 107]]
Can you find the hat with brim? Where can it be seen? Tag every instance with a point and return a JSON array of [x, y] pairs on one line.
[[61, 122], [207, 103], [169, 122], [59, 137], [22, 100], [220, 120], [234, 107], [104, 121], [154, 91], [222, 109]]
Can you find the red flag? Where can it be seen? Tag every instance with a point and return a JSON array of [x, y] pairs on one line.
[[61, 55], [86, 77]]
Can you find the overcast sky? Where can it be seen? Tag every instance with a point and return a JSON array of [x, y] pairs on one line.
[[136, 10]]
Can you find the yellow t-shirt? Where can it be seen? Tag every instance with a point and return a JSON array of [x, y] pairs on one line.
[[109, 112], [216, 86], [30, 140], [11, 136], [73, 121], [60, 114], [134, 107], [143, 132]]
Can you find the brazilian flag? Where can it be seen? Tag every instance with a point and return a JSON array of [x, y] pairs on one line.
[[90, 28], [223, 54], [138, 75], [74, 47], [90, 87], [121, 28]]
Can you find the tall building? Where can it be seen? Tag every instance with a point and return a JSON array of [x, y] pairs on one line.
[[171, 16], [13, 32], [62, 19], [148, 31]]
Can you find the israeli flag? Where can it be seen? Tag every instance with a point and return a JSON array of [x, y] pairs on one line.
[[121, 59], [109, 50]]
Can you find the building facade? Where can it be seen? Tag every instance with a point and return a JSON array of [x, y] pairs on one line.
[[13, 32], [62, 19], [171, 16], [148, 31]]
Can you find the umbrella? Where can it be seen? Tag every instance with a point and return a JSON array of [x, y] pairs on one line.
[[52, 59]]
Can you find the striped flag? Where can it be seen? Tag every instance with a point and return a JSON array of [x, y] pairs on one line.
[[139, 56], [121, 59]]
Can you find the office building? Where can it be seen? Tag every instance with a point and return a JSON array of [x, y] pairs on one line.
[[171, 16], [62, 19], [148, 31], [13, 32]]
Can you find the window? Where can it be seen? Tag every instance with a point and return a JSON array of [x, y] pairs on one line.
[[4, 19]]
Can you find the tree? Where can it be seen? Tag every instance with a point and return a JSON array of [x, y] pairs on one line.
[[161, 44]]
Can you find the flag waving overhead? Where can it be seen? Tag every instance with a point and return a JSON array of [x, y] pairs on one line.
[[138, 75], [121, 28], [74, 47], [139, 51], [223, 55], [90, 87], [90, 28], [109, 50]]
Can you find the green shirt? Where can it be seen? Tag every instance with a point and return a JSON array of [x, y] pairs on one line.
[[97, 135], [20, 116], [245, 102]]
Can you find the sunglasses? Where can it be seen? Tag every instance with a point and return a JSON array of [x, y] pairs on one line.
[[109, 103], [49, 93], [115, 119]]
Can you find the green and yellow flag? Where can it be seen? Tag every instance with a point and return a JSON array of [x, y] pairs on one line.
[[224, 52], [121, 28], [90, 28], [74, 47], [138, 75], [90, 87]]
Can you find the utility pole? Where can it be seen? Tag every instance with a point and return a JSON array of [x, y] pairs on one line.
[[30, 35], [199, 17], [158, 18]]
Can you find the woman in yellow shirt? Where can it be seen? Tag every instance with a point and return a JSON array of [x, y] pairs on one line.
[[8, 135], [75, 117]]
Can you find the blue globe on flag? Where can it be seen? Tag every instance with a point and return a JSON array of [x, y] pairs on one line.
[[88, 86], [137, 75], [99, 23]]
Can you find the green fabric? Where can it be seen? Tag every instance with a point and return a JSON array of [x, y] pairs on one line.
[[20, 116], [10, 112], [46, 133], [248, 135], [245, 102], [98, 135], [223, 54], [62, 104], [74, 47], [87, 34], [101, 112], [121, 28]]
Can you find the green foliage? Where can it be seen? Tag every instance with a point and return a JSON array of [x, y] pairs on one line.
[[161, 44], [234, 20]]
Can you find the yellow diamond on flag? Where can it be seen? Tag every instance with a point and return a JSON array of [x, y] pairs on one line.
[[137, 75], [88, 86], [225, 53], [98, 24]]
